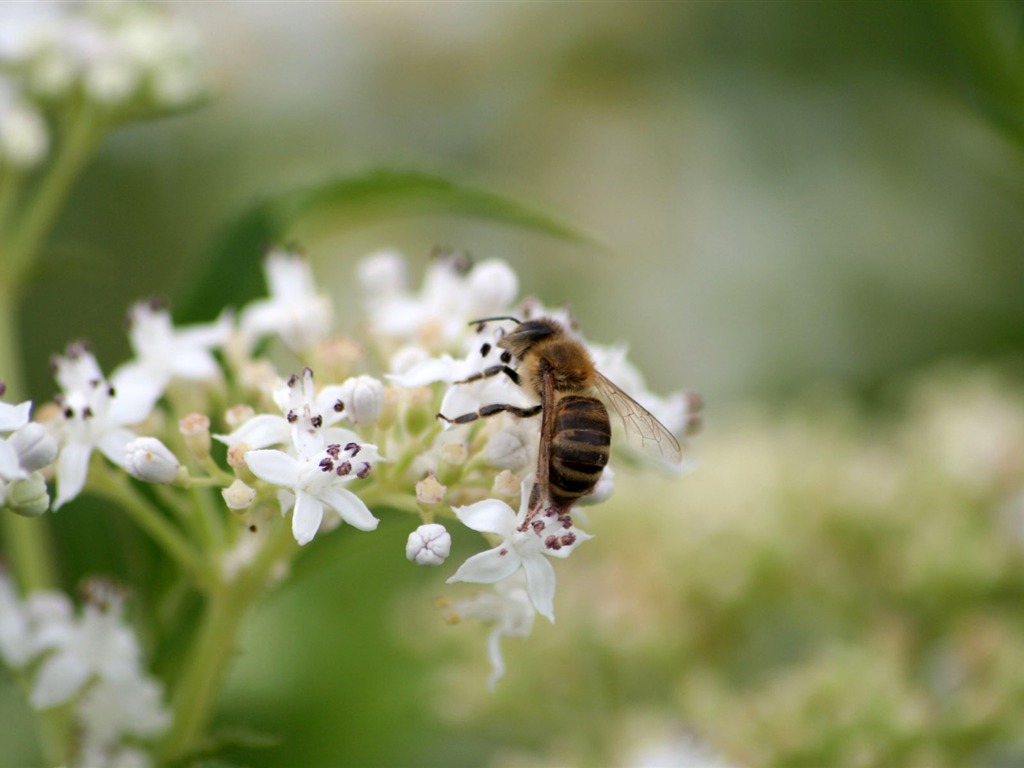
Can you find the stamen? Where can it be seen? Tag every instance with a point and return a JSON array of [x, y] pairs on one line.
[[344, 468], [338, 406], [364, 473], [326, 465], [353, 449], [318, 421]]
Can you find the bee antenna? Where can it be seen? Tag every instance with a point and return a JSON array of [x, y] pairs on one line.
[[483, 320]]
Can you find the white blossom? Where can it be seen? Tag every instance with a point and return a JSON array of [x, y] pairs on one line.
[[163, 353], [317, 481], [95, 416], [525, 543], [508, 608], [21, 622], [429, 545], [294, 311], [454, 292]]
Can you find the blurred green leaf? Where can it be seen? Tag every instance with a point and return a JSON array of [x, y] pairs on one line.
[[230, 273]]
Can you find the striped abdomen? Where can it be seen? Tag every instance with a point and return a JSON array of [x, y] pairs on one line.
[[579, 448]]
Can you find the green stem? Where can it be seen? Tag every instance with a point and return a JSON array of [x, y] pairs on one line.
[[117, 487], [214, 645], [78, 140]]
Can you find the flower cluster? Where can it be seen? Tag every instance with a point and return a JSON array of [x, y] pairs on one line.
[[121, 58], [207, 407], [91, 662]]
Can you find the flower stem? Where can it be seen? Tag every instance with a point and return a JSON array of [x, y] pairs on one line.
[[214, 646], [116, 487]]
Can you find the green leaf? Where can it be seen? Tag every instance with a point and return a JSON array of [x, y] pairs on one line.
[[230, 273]]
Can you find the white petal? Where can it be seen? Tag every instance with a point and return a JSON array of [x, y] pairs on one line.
[[14, 416], [134, 399], [306, 517], [10, 466], [259, 432], [540, 585], [427, 372], [72, 467], [488, 516], [488, 567], [494, 654], [275, 467], [113, 443], [194, 364], [60, 678], [351, 508]]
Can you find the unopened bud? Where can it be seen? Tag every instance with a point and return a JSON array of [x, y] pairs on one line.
[[195, 428], [454, 454], [429, 491], [363, 397], [507, 484], [237, 415], [149, 460], [28, 497], [236, 456], [238, 496], [428, 545], [35, 446]]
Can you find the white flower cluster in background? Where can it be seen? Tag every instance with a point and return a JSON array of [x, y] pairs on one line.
[[326, 439], [122, 58], [90, 662]]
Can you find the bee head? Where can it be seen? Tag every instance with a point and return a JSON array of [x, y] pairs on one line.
[[526, 334]]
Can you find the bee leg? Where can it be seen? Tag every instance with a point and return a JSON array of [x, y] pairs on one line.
[[491, 410], [494, 370]]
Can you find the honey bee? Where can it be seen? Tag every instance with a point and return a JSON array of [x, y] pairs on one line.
[[575, 432]]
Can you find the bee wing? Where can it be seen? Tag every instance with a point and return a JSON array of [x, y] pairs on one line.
[[642, 429]]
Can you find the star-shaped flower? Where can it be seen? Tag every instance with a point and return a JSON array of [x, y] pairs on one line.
[[96, 413], [163, 352], [294, 311], [315, 481], [525, 543]]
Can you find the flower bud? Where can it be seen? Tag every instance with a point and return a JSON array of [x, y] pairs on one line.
[[507, 449], [429, 491], [428, 545], [149, 460], [35, 446], [28, 497], [382, 273], [493, 286], [363, 397], [195, 428], [507, 484], [238, 496]]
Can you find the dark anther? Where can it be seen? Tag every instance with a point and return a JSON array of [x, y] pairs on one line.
[[318, 421], [503, 551], [293, 380], [353, 448], [69, 412], [326, 465], [338, 406], [552, 542], [291, 417], [344, 468], [568, 539], [485, 349], [87, 412], [538, 526], [506, 356], [111, 392], [364, 472], [333, 450], [253, 528]]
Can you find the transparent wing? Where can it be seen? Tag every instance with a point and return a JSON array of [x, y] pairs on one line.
[[642, 429]]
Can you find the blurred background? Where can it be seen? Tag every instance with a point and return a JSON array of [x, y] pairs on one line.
[[809, 212]]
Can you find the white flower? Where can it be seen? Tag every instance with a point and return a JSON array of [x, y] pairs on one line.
[[164, 353], [454, 293], [98, 644], [382, 274], [24, 140], [95, 416], [149, 460], [22, 622], [294, 311], [305, 414], [125, 704], [428, 545], [317, 481], [508, 608], [363, 398], [525, 543]]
